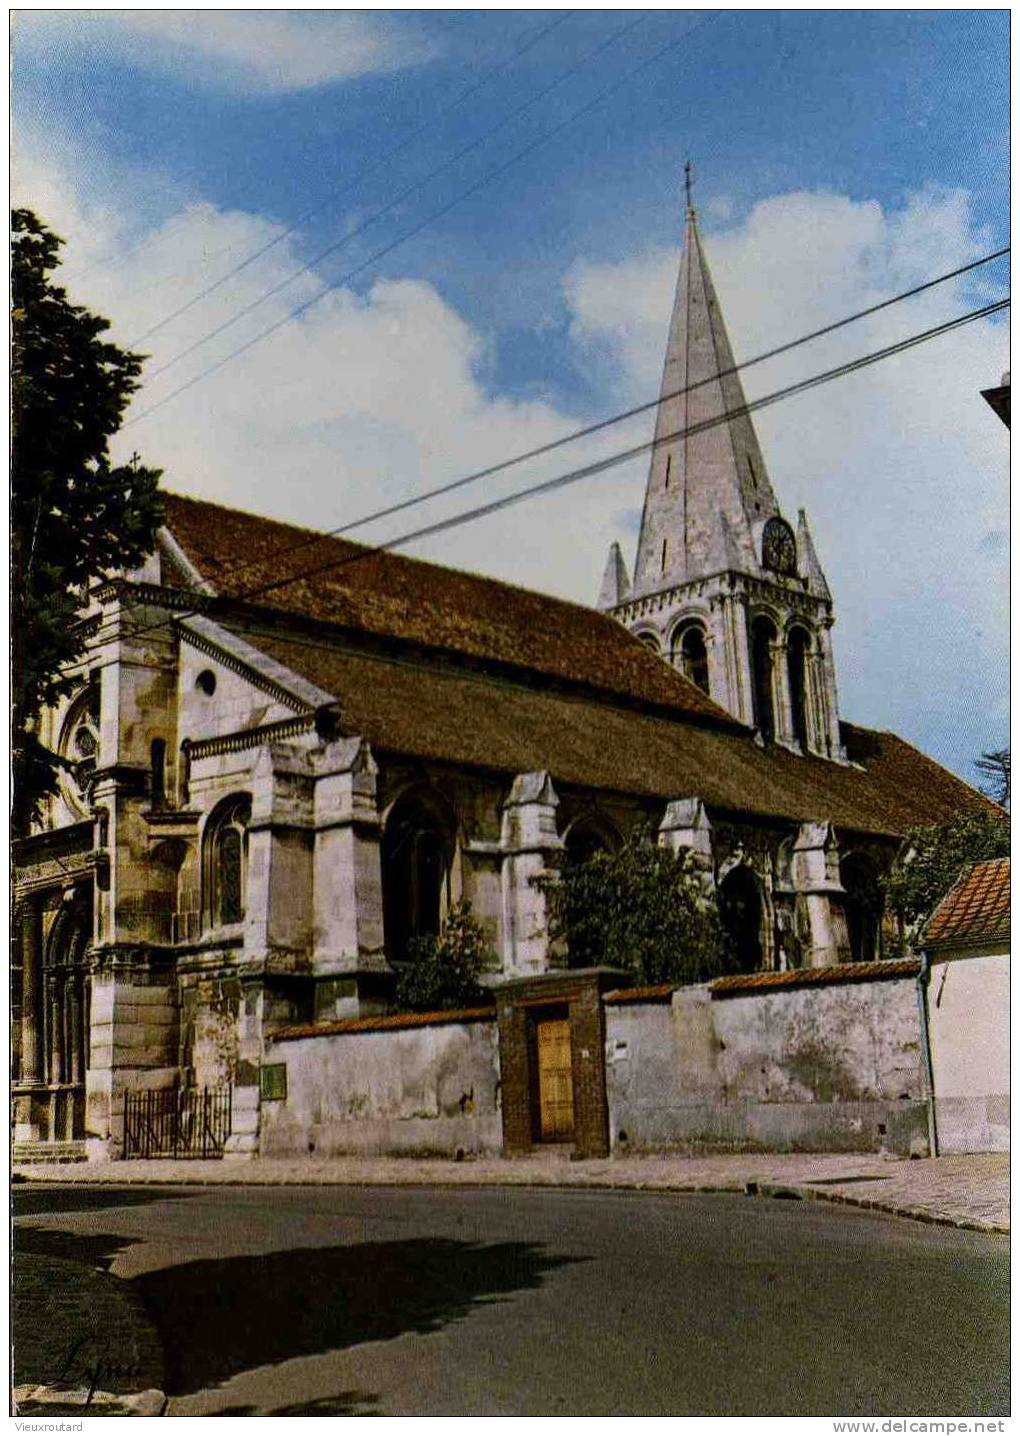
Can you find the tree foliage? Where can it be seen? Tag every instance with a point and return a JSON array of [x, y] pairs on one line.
[[74, 516], [933, 857], [642, 908], [441, 973]]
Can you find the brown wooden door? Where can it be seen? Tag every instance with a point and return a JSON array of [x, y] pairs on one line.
[[555, 1079]]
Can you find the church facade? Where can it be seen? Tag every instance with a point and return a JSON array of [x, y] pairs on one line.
[[287, 755]]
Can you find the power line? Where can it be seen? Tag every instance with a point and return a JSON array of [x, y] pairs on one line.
[[614, 460], [392, 204], [542, 449], [417, 229], [602, 465], [363, 173]]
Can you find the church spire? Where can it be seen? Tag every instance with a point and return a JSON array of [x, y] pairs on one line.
[[713, 469], [723, 586]]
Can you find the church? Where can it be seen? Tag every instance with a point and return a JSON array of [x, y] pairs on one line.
[[289, 754]]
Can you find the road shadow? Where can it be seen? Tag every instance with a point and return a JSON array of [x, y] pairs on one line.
[[218, 1318], [56, 1200], [344, 1403], [95, 1250]]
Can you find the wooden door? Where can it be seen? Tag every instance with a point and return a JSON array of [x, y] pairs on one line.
[[555, 1079]]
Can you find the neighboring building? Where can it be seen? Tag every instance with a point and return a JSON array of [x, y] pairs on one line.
[[291, 754], [998, 399], [966, 942]]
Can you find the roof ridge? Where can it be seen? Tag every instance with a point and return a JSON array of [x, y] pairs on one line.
[[397, 557]]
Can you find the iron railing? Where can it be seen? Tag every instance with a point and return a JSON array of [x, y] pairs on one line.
[[177, 1122]]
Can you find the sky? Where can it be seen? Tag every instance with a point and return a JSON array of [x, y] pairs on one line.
[[369, 252]]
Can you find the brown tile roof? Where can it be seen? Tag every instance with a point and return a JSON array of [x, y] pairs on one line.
[[522, 681], [837, 973], [390, 596], [391, 1022], [975, 910], [468, 718]]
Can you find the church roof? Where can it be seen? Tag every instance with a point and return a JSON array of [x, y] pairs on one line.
[[458, 717], [390, 596], [502, 679], [707, 492]]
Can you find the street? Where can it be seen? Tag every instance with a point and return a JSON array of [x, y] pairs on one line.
[[357, 1301]]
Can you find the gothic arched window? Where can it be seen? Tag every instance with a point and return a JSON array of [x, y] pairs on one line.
[[226, 862], [862, 906], [740, 908], [798, 648], [690, 654], [417, 852], [763, 636]]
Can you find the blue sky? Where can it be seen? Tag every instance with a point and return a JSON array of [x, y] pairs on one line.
[[840, 156]]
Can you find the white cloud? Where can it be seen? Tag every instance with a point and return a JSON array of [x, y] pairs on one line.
[[242, 51], [367, 399]]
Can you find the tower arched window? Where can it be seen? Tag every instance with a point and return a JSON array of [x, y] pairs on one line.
[[763, 636], [797, 649], [417, 853], [226, 862], [690, 654]]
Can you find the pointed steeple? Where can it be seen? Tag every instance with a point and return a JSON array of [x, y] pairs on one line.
[[716, 470], [615, 581], [807, 560]]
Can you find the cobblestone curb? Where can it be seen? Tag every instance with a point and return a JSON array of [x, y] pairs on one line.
[[970, 1192]]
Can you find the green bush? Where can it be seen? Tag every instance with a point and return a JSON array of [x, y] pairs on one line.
[[643, 908], [441, 973]]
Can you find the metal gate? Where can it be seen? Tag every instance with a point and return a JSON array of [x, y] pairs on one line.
[[175, 1122]]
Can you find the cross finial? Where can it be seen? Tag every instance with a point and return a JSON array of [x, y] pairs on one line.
[[689, 186]]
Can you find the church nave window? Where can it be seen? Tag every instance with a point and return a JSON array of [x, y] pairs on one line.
[[226, 862]]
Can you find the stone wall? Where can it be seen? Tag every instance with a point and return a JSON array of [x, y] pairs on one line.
[[968, 1007], [823, 1067], [377, 1087]]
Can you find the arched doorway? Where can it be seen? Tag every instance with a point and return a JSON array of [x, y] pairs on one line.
[[417, 853], [65, 1014], [690, 654], [862, 906], [740, 908], [797, 649], [763, 637]]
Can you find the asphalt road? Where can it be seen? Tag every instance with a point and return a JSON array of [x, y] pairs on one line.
[[391, 1301]]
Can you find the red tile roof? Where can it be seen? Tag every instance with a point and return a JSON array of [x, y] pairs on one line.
[[837, 973], [975, 910], [390, 1022]]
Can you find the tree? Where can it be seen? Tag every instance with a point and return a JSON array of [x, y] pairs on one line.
[[74, 516], [442, 972], [643, 908], [994, 768], [932, 858]]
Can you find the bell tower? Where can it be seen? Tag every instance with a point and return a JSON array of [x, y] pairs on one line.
[[724, 587]]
